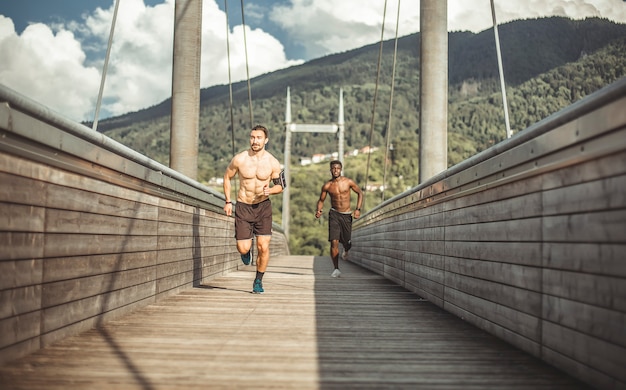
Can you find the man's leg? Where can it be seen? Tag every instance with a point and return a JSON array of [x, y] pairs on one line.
[[243, 234], [334, 236], [334, 252], [263, 247], [243, 247], [346, 236], [263, 232]]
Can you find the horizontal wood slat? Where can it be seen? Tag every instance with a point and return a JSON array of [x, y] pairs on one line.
[[525, 240], [83, 243], [308, 331]]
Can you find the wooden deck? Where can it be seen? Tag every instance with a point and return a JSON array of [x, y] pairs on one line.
[[308, 331]]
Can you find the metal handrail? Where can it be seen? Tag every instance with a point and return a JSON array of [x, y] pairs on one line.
[[28, 106], [589, 103]]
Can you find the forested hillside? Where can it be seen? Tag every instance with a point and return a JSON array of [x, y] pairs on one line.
[[548, 64]]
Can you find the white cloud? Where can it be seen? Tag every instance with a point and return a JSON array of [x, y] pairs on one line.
[[51, 67], [48, 68], [265, 52], [327, 26], [140, 65], [478, 17], [60, 65]]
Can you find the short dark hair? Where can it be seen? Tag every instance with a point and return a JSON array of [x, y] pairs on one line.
[[263, 128], [336, 162]]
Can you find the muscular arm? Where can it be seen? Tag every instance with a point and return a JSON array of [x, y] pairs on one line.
[[276, 188], [320, 201], [231, 171], [359, 201]]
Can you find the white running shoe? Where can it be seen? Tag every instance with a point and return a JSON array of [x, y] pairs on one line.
[[336, 273]]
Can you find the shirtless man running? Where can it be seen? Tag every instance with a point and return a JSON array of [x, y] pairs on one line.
[[340, 214], [253, 215]]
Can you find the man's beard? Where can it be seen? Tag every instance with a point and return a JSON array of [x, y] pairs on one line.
[[256, 147]]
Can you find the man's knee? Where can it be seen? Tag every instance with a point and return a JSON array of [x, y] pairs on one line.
[[263, 243], [243, 246]]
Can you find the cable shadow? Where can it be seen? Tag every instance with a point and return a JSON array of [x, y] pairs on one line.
[[206, 287], [373, 333], [133, 217]]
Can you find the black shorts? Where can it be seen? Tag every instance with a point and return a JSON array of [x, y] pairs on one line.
[[340, 228], [253, 219]]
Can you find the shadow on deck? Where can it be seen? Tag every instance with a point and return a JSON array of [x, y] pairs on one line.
[[308, 331]]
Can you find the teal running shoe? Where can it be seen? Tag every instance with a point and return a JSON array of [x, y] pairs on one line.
[[246, 258], [257, 287]]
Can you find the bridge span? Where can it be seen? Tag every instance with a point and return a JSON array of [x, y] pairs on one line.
[[514, 257], [309, 331]]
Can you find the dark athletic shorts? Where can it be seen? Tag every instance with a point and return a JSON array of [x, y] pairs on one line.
[[253, 219], [340, 228]]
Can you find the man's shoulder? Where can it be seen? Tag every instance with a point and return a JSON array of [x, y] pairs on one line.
[[242, 154], [273, 160], [348, 180], [345, 179], [239, 157]]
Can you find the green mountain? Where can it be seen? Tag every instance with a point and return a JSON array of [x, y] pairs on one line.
[[548, 63]]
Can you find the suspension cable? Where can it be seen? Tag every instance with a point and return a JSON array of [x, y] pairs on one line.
[[245, 45], [393, 80], [105, 67], [502, 85], [380, 54], [230, 82]]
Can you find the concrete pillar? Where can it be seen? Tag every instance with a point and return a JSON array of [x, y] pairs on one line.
[[433, 148], [186, 87]]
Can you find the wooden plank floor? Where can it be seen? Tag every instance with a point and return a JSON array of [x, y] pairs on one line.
[[308, 331]]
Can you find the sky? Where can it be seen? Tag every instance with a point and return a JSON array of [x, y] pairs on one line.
[[53, 51]]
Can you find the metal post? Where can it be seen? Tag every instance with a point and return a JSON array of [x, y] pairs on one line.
[[186, 87], [105, 68], [502, 85], [433, 149], [286, 165], [340, 124], [308, 128]]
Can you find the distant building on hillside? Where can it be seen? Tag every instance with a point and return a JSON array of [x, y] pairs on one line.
[[367, 150], [374, 187], [216, 181], [316, 158], [319, 157]]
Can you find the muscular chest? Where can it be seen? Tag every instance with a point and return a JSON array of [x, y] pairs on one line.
[[338, 188], [260, 170]]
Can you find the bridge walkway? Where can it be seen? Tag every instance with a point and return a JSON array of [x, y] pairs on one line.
[[308, 331]]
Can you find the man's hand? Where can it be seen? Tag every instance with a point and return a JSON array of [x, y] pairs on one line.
[[357, 213], [228, 208], [318, 213], [266, 190]]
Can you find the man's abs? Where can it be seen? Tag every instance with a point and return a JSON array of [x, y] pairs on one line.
[[251, 197]]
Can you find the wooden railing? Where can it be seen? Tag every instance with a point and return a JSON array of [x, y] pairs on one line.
[[526, 240], [91, 230]]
